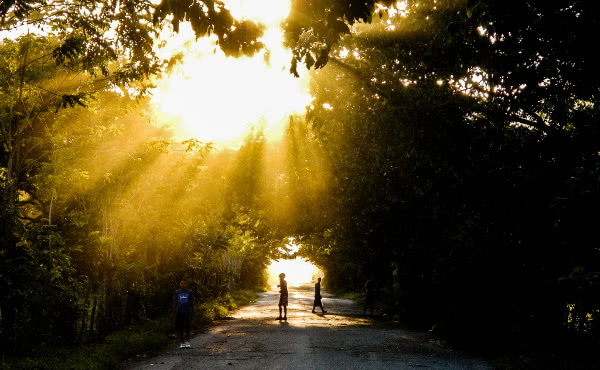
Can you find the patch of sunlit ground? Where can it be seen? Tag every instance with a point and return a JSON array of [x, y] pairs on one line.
[[217, 98], [297, 271], [340, 312]]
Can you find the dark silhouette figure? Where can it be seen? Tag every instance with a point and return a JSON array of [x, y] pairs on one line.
[[283, 296], [318, 297], [183, 305], [369, 290]]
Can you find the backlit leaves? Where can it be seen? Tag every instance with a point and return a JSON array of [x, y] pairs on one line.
[[72, 100], [20, 8], [313, 27], [71, 48], [208, 17]]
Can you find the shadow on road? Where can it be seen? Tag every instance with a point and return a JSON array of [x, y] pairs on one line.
[[339, 339]]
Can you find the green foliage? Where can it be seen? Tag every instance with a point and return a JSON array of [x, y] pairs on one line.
[[72, 100], [101, 233], [147, 336], [313, 28], [463, 166], [116, 348], [236, 38], [20, 8], [71, 48], [453, 154], [243, 298]]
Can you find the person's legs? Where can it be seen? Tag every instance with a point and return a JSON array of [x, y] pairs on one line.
[[314, 306], [321, 305], [187, 330], [368, 303], [188, 324], [179, 326], [279, 312], [285, 312]]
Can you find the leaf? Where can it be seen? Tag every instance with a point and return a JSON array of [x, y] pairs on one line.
[[72, 100], [157, 145], [294, 67], [340, 27], [71, 48], [309, 60]]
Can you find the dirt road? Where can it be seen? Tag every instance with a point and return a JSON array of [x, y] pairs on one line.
[[340, 339]]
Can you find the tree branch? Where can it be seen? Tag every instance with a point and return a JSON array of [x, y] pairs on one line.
[[356, 72]]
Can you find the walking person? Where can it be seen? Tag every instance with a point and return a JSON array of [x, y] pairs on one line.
[[183, 305], [369, 290], [317, 302], [283, 296]]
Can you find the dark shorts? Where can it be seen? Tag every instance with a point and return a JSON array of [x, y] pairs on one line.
[[183, 320], [317, 302], [283, 300]]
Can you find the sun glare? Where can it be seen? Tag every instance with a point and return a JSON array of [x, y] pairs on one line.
[[270, 12], [215, 98], [297, 271]]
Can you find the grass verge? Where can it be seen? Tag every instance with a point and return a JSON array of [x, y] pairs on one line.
[[115, 348], [355, 296]]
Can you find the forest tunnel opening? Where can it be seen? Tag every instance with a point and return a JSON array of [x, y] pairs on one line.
[[297, 271]]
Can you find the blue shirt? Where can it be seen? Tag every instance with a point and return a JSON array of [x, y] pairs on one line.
[[184, 300]]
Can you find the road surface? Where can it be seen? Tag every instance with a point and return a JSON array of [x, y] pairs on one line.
[[252, 338]]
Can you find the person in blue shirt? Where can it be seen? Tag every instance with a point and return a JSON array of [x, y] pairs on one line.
[[183, 305]]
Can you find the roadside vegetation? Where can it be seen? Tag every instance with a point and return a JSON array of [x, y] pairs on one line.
[[143, 338], [451, 153]]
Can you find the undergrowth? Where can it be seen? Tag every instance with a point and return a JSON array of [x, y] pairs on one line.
[[114, 348]]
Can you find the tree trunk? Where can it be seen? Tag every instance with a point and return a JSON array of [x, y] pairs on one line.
[[93, 317], [82, 332]]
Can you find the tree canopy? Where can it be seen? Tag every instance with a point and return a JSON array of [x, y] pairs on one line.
[[452, 152], [463, 141]]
